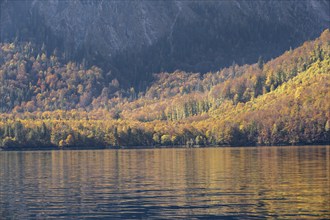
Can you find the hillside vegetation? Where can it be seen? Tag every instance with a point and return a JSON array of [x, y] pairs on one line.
[[283, 101]]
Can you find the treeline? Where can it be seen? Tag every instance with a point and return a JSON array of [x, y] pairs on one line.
[[283, 101]]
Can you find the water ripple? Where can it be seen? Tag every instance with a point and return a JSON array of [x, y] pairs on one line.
[[231, 183]]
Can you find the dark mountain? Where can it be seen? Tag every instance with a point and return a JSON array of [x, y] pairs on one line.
[[134, 39]]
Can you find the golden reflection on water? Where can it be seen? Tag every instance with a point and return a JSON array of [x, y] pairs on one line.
[[279, 182]]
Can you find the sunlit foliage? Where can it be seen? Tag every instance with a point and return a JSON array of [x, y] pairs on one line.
[[283, 101]]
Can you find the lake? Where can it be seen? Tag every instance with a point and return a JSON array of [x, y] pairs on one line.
[[225, 183]]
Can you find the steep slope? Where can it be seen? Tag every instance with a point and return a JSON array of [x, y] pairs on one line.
[[133, 39], [283, 101]]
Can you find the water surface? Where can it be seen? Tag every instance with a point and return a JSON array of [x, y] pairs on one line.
[[231, 183]]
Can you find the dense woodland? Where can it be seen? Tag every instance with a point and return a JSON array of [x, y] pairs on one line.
[[45, 103]]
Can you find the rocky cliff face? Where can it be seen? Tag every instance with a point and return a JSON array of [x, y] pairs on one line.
[[102, 25], [136, 38]]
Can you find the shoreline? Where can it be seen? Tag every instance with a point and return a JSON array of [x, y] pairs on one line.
[[152, 147]]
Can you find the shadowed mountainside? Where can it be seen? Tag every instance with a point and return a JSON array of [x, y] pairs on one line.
[[134, 39]]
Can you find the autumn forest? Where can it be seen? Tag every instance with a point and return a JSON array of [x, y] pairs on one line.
[[46, 102]]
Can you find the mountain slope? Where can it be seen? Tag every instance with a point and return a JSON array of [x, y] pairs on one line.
[[283, 101], [134, 39]]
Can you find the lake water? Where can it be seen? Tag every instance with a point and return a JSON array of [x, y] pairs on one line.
[[223, 183]]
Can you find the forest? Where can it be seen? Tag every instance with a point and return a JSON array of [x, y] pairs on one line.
[[46, 102]]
